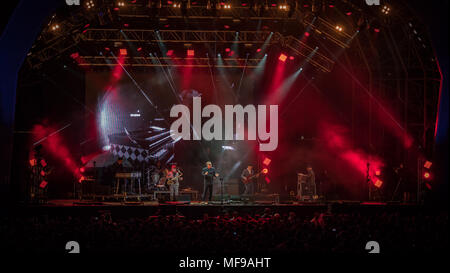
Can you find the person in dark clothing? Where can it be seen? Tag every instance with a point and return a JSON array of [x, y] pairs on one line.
[[208, 172]]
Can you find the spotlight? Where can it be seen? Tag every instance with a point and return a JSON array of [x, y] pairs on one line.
[[283, 7], [386, 10], [339, 28], [427, 175], [267, 161], [282, 57], [427, 164], [123, 52], [378, 183], [265, 171], [55, 27], [190, 53], [90, 4], [121, 4]]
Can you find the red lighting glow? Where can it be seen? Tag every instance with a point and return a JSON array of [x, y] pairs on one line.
[[123, 51], [267, 161], [282, 57], [427, 175], [190, 53], [265, 171], [43, 184], [169, 52], [378, 183]]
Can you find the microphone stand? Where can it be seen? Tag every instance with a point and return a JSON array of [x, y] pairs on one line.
[[221, 190]]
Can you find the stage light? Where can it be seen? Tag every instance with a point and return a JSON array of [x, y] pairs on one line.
[[106, 148], [282, 57], [265, 171], [378, 183], [55, 27], [267, 161], [43, 163], [227, 49], [43, 184], [291, 58], [307, 34], [123, 52], [139, 49], [427, 164], [82, 178], [169, 52], [349, 13], [386, 10], [121, 4], [33, 162], [176, 5], [339, 28], [42, 173], [427, 175], [89, 4], [190, 53], [82, 170], [378, 172], [283, 7]]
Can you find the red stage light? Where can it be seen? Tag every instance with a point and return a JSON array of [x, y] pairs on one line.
[[126, 25], [43, 163], [265, 171], [43, 184], [267, 161], [291, 58], [377, 172], [190, 53], [258, 50], [82, 169], [123, 51], [42, 173], [227, 49], [282, 57], [378, 183], [427, 164], [33, 162], [307, 34], [377, 30], [427, 175], [169, 52], [81, 179]]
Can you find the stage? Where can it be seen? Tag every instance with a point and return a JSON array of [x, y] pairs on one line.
[[197, 209]]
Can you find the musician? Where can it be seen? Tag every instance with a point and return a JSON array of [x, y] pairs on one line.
[[173, 177], [158, 172], [208, 175], [309, 182], [118, 167], [248, 177]]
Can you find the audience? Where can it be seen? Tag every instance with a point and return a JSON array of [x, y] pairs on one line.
[[232, 232]]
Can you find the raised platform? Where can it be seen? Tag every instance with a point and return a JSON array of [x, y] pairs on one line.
[[198, 209]]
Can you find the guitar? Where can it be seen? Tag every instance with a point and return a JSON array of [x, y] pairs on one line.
[[249, 178], [170, 181]]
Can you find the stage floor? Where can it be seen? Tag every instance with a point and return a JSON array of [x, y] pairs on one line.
[[197, 209]]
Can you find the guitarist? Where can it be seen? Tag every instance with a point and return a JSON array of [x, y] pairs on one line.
[[248, 177]]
